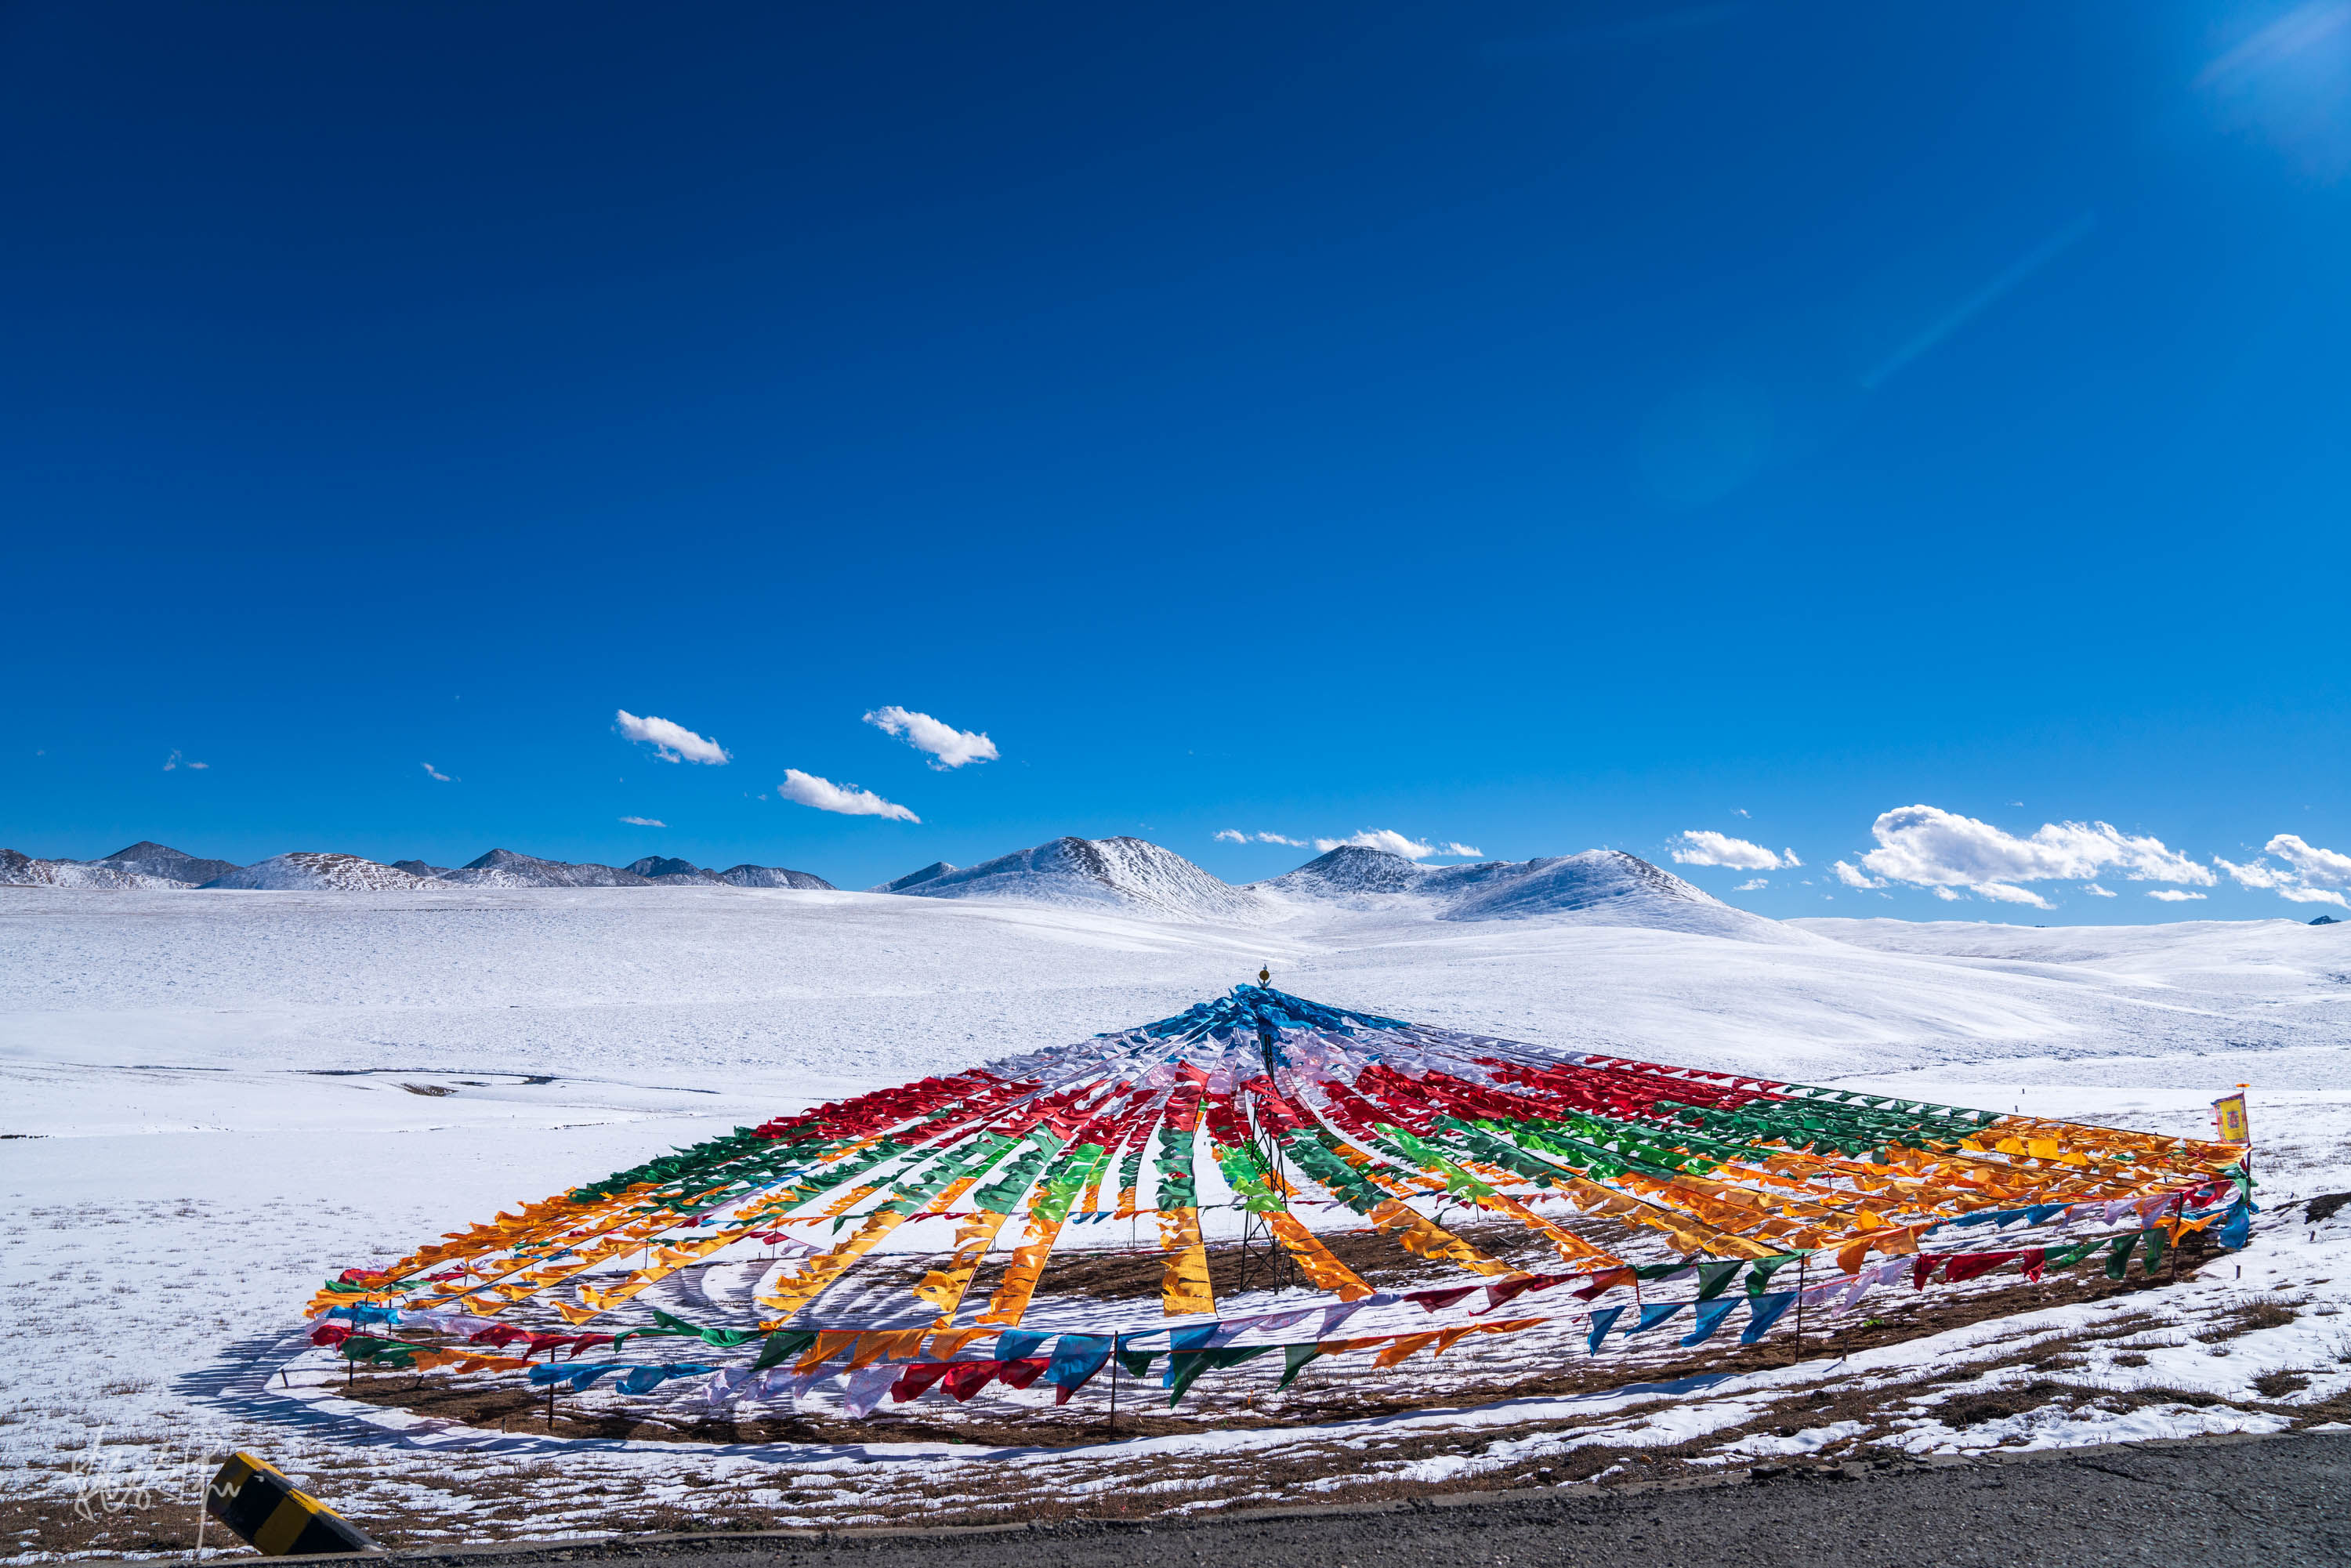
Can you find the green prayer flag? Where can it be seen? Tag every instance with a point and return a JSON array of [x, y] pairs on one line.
[[2150, 1258], [1294, 1358], [1200, 1361], [2118, 1260], [1713, 1279], [781, 1346], [1138, 1361], [1764, 1269]]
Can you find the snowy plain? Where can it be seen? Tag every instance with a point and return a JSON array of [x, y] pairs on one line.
[[209, 1100]]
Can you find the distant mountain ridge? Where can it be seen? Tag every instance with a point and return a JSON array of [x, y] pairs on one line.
[[1127, 874], [151, 865], [1121, 872], [1600, 886]]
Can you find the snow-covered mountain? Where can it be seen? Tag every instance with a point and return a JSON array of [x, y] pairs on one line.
[[150, 865], [146, 864], [148, 858], [1605, 887], [773, 876], [504, 868], [669, 871], [18, 870], [1123, 872], [930, 873], [307, 871]]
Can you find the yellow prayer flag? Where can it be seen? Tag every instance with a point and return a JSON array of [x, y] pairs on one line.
[[2229, 1116]]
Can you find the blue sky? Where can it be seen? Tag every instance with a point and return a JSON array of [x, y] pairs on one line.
[[1523, 427]]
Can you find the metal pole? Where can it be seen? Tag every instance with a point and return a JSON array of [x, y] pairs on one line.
[[1114, 1386], [1798, 1354], [203, 1499]]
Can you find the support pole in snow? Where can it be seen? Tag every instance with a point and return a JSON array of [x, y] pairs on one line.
[[1797, 1353]]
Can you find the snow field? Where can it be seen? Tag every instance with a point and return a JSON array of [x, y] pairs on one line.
[[211, 1100]]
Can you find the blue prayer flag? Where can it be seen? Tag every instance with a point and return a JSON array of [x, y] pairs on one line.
[[1652, 1316], [1710, 1318], [1762, 1312]]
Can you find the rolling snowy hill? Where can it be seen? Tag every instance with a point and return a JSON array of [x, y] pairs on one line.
[[306, 871], [147, 858], [22, 870], [1605, 887], [1121, 874]]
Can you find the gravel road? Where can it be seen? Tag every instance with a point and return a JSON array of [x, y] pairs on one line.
[[2273, 1501]]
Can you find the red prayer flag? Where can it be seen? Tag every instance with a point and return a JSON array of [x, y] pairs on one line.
[[1437, 1301], [1968, 1265], [965, 1379], [1602, 1282], [1022, 1373], [916, 1380]]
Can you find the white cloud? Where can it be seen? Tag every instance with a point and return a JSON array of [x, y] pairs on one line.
[[1927, 847], [1277, 838], [1947, 896], [2311, 874], [950, 747], [1386, 839], [432, 772], [670, 742], [1231, 836], [2095, 891], [1739, 810], [2171, 895], [846, 799], [2322, 866], [1752, 883], [174, 761], [2256, 873], [1456, 848], [1851, 878], [1703, 846], [644, 821], [1235, 836]]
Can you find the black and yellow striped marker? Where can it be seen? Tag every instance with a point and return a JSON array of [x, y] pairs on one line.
[[254, 1498]]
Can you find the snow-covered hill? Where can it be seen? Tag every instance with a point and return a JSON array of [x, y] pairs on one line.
[[148, 858], [307, 871], [1603, 887], [1121, 872], [773, 876], [22, 870], [930, 873], [146, 864], [504, 868]]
